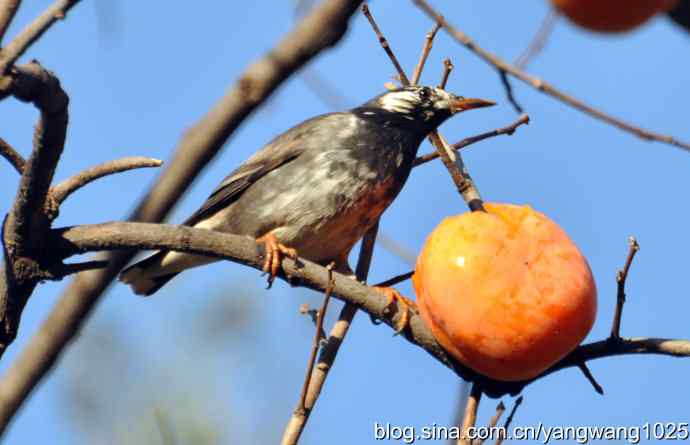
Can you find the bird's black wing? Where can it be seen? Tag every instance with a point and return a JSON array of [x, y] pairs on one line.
[[283, 149]]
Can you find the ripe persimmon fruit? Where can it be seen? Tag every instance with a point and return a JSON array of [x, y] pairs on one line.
[[505, 292], [611, 15]]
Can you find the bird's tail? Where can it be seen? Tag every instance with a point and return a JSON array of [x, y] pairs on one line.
[[144, 277]]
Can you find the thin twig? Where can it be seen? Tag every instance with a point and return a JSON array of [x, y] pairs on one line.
[[313, 314], [464, 387], [386, 47], [509, 91], [447, 68], [470, 417], [396, 248], [317, 340], [60, 271], [8, 8], [323, 90], [500, 409], [61, 191], [329, 352], [621, 278], [542, 85], [395, 280], [539, 40], [12, 156], [17, 46], [509, 421], [590, 378], [508, 130], [426, 49]]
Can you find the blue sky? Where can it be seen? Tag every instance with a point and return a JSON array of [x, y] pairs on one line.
[[138, 75]]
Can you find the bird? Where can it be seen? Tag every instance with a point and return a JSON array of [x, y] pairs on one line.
[[316, 189]]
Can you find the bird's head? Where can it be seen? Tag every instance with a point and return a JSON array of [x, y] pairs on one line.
[[426, 107]]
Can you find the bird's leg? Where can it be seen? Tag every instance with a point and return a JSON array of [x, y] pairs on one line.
[[274, 255], [404, 304]]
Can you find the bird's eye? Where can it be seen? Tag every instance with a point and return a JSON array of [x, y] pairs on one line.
[[424, 93]]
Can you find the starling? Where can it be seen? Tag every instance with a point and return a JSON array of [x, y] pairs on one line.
[[317, 188]]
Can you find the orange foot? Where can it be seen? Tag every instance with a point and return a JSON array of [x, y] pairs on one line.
[[274, 255], [405, 303]]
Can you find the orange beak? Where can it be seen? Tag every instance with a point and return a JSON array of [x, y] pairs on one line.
[[463, 103]]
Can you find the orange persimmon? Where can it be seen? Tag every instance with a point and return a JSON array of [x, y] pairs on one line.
[[505, 292], [611, 15]]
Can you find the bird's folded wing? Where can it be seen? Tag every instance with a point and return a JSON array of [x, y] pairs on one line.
[[277, 153]]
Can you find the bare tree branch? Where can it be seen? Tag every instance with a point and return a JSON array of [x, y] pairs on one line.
[[426, 49], [126, 235], [447, 68], [508, 130], [509, 91], [32, 32], [320, 314], [8, 8], [386, 47], [542, 85], [119, 235], [470, 417], [621, 278], [329, 352], [458, 173], [590, 378], [22, 376], [509, 420], [28, 222], [500, 409], [12, 156], [61, 191], [539, 40]]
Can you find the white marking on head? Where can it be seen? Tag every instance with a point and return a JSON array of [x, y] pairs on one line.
[[402, 101]]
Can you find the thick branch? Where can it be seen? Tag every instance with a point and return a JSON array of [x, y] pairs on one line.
[[8, 8], [32, 83], [12, 156], [244, 250], [543, 86], [70, 185], [26, 225], [43, 350], [32, 32]]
